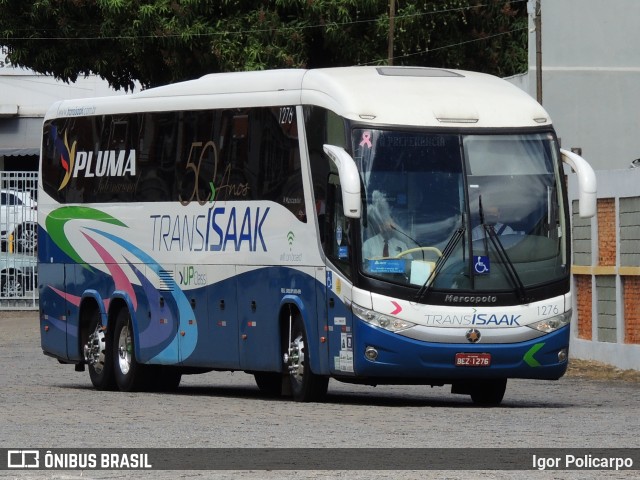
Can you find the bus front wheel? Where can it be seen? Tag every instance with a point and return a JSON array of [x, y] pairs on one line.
[[306, 386]]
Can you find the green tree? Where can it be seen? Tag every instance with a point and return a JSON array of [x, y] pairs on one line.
[[156, 42]]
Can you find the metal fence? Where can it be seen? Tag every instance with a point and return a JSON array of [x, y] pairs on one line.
[[18, 241]]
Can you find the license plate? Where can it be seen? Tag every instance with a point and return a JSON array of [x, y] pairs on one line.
[[473, 359]]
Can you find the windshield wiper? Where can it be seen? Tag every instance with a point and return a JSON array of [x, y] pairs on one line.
[[502, 253], [446, 253], [506, 261]]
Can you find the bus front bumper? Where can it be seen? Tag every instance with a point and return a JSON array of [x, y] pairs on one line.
[[379, 353]]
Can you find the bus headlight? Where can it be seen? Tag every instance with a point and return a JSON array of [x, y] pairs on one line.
[[391, 324], [552, 324]]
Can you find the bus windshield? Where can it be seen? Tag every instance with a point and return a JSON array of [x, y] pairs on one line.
[[460, 212]]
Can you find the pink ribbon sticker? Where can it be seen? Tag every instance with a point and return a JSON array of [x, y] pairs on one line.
[[366, 139]]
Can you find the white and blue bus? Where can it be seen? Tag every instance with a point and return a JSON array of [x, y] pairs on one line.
[[374, 225]]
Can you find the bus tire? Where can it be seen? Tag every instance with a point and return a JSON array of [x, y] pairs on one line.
[[306, 386], [98, 354], [489, 393], [130, 375]]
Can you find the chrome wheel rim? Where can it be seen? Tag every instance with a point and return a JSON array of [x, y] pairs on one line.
[[125, 349], [94, 349], [296, 359]]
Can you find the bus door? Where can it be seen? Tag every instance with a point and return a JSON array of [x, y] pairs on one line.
[[339, 253], [53, 309]]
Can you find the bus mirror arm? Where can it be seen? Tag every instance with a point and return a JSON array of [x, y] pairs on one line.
[[587, 184], [349, 180]]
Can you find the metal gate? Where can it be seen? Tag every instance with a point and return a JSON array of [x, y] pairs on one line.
[[18, 240]]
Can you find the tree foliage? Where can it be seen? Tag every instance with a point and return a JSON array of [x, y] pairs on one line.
[[156, 42]]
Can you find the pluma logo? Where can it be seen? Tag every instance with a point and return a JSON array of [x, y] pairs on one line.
[[101, 163]]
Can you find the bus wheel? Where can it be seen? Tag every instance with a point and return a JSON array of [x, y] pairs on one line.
[[306, 386], [97, 354], [489, 393], [269, 383], [130, 375]]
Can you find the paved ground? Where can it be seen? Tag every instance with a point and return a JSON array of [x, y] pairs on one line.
[[47, 405]]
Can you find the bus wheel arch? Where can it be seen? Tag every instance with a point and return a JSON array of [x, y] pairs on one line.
[[276, 384], [305, 385]]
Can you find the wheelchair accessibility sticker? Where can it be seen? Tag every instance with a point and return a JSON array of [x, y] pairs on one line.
[[481, 264]]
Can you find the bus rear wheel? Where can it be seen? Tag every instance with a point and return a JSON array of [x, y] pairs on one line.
[[306, 386], [130, 375]]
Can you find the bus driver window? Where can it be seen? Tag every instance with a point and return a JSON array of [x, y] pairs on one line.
[[384, 242]]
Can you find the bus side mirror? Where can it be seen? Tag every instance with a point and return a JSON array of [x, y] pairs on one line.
[[587, 184], [349, 180]]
